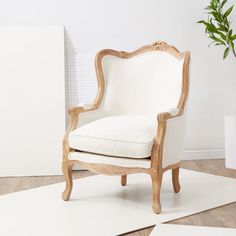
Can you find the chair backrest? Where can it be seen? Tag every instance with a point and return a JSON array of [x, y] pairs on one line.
[[147, 81]]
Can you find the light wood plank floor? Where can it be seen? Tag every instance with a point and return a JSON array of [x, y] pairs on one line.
[[224, 216]]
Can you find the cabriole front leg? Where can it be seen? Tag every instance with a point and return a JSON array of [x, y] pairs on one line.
[[67, 172], [156, 191], [175, 179]]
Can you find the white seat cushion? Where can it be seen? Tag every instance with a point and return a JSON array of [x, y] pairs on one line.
[[120, 136]]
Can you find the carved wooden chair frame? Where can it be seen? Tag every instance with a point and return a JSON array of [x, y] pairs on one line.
[[156, 170]]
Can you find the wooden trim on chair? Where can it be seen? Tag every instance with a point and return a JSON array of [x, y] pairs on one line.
[[106, 169]]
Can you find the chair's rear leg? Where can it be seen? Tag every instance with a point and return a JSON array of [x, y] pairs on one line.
[[123, 180], [175, 179], [67, 171], [156, 191]]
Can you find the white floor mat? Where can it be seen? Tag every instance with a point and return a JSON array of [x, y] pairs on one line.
[[170, 230], [100, 206]]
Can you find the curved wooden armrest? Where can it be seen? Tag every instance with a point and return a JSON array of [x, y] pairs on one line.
[[157, 149], [74, 115], [83, 107], [171, 113]]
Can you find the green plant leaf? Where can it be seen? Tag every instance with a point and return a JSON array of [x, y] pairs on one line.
[[201, 22], [222, 28], [228, 12], [216, 16], [209, 8], [213, 37], [233, 37], [223, 3], [211, 27], [222, 36], [218, 25], [226, 52]]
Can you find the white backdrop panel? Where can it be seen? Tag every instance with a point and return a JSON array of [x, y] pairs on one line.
[[32, 100]]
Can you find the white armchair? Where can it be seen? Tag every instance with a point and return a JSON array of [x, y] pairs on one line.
[[137, 122]]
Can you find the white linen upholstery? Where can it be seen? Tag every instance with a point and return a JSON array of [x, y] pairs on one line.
[[173, 147], [108, 160], [120, 136], [146, 84]]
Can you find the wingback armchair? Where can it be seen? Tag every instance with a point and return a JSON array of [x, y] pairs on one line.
[[137, 122]]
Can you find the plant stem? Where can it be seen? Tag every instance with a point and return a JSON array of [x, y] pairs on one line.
[[233, 51]]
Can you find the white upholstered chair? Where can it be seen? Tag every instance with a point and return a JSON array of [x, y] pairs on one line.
[[137, 122]]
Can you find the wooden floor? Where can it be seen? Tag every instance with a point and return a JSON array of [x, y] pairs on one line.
[[224, 216]]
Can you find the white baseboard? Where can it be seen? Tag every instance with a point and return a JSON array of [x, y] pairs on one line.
[[204, 154]]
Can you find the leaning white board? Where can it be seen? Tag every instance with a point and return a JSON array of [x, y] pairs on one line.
[[230, 142], [32, 100]]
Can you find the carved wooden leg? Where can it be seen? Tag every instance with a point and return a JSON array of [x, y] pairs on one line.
[[123, 180], [67, 171], [175, 179], [156, 191]]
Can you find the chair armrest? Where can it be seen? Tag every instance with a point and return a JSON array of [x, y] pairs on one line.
[[82, 107], [169, 114], [74, 116], [75, 111], [170, 138]]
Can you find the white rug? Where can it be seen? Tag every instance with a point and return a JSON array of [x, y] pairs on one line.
[[170, 230], [100, 206]]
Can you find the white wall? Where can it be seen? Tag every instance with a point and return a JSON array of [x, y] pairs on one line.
[[127, 24], [32, 100]]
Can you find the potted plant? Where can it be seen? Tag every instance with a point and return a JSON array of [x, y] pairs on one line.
[[218, 29], [218, 26]]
